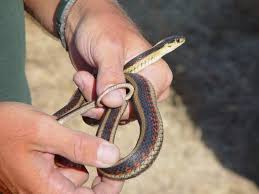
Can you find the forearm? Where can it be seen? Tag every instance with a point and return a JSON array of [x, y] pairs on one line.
[[43, 11]]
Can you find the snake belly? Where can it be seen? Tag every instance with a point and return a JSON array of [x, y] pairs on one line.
[[151, 131]]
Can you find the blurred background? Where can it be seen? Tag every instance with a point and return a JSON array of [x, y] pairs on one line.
[[211, 118]]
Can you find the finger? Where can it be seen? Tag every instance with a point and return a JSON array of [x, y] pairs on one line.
[[159, 83], [58, 183], [110, 72], [77, 60], [90, 121], [163, 92], [95, 116], [55, 180], [102, 185], [76, 146], [95, 113], [164, 95], [62, 162], [87, 85], [129, 114], [96, 181], [78, 178]]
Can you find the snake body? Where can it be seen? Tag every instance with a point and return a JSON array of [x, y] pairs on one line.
[[151, 131], [145, 107]]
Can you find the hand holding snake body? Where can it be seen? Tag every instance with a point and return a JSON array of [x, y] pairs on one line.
[[145, 107], [104, 41], [104, 69], [27, 153]]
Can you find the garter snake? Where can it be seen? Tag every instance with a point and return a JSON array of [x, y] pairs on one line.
[[145, 106]]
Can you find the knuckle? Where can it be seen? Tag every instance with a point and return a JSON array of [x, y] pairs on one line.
[[164, 96], [110, 77], [169, 78], [39, 125], [112, 42], [78, 148], [85, 149], [94, 114], [164, 85], [42, 122], [115, 76]]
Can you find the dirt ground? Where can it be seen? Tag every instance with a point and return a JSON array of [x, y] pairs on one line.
[[211, 117]]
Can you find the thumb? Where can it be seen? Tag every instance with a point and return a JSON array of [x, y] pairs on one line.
[[77, 146], [110, 72]]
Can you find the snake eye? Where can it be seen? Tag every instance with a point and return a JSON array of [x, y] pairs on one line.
[[169, 45]]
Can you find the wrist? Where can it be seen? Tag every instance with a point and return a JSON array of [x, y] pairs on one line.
[[43, 12], [82, 10], [73, 19]]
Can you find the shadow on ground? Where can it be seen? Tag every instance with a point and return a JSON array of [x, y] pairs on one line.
[[215, 72]]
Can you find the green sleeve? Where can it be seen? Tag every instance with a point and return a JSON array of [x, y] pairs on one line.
[[13, 83]]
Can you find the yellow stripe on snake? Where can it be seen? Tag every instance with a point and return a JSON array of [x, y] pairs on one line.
[[145, 107]]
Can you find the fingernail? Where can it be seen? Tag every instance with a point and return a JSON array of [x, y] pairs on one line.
[[91, 115], [107, 154], [116, 94], [79, 82], [114, 98], [94, 113]]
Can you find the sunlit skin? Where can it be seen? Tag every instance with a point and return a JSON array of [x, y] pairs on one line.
[[99, 36]]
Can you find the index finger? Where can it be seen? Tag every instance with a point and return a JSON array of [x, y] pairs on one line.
[[103, 185], [77, 146]]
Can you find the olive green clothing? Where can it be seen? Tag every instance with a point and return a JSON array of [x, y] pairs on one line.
[[13, 83]]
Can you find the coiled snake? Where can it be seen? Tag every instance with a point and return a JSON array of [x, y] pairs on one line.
[[145, 106]]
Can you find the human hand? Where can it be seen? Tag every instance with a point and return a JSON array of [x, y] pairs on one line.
[[28, 143], [101, 37]]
